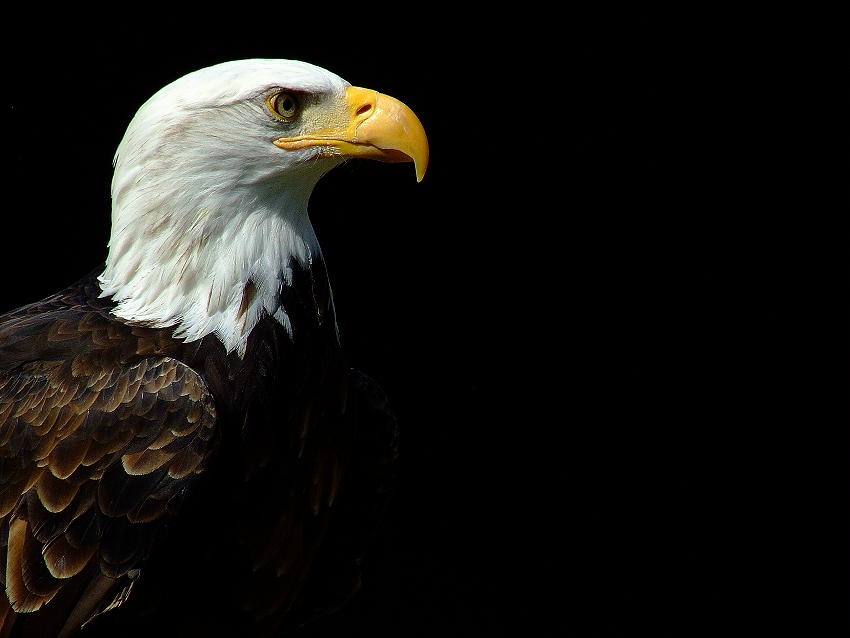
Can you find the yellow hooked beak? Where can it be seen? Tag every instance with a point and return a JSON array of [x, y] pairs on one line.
[[370, 125]]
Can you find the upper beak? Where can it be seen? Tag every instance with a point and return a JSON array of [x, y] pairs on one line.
[[373, 126]]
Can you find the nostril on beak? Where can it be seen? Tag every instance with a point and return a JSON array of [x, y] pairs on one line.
[[364, 109]]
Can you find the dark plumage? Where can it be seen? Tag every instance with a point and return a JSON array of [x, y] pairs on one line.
[[156, 485], [108, 428]]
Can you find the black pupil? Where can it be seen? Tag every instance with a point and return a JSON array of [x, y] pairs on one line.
[[285, 104]]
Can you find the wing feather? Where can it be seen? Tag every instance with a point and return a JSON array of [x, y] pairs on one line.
[[92, 451], [21, 598]]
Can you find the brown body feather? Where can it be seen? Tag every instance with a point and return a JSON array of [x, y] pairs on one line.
[[281, 456]]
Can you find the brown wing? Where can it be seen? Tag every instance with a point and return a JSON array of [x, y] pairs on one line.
[[94, 457]]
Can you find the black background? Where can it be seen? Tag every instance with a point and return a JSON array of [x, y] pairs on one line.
[[579, 314]]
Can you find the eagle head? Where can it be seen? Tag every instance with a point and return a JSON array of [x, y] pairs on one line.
[[211, 185]]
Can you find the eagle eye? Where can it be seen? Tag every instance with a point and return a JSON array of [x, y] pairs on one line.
[[283, 104]]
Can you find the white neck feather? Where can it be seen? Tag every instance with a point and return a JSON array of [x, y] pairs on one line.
[[192, 271]]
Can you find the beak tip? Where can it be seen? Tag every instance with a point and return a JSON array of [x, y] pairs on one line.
[[420, 165]]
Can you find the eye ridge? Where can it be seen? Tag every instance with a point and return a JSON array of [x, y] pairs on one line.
[[283, 104]]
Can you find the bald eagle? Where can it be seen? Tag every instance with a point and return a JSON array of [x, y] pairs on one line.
[[183, 449]]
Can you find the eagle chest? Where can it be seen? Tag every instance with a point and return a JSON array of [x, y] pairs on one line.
[[268, 499]]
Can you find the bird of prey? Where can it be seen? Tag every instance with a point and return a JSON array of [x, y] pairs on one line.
[[183, 449]]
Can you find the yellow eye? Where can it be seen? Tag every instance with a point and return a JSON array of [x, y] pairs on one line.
[[283, 104]]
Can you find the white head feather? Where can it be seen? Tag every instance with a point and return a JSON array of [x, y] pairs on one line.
[[203, 202]]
